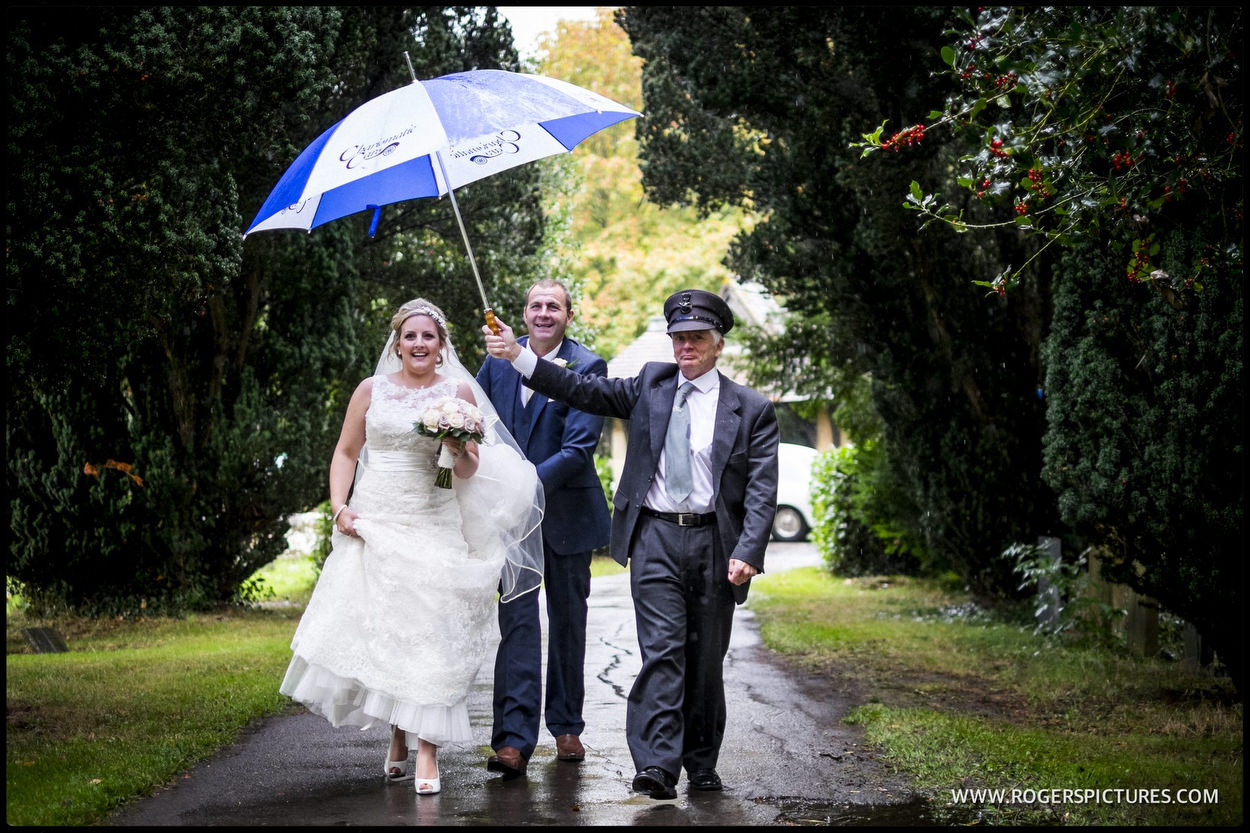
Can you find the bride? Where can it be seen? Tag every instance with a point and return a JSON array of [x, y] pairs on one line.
[[401, 618]]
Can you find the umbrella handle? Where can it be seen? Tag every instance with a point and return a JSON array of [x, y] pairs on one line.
[[451, 192]]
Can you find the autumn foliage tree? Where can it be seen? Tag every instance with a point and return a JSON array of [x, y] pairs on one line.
[[625, 254]]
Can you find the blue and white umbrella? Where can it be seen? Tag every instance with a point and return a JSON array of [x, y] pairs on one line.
[[429, 138]]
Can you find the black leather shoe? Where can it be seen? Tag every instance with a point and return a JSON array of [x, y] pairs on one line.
[[705, 779], [656, 783]]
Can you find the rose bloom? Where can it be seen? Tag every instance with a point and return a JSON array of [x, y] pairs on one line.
[[431, 421], [455, 420]]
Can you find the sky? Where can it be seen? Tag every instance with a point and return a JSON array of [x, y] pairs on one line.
[[528, 22]]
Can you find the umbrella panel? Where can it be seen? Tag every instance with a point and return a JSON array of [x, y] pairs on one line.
[[479, 123]]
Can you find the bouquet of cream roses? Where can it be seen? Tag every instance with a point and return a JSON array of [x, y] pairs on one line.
[[450, 417]]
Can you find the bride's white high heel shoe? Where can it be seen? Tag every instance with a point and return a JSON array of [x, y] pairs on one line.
[[400, 777], [427, 786]]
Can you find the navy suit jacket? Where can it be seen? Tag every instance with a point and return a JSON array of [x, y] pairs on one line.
[[560, 441], [744, 453]]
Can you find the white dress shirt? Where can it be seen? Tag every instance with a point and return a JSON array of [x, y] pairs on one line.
[[702, 403], [526, 392]]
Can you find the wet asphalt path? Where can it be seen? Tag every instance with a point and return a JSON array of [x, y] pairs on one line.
[[787, 758]]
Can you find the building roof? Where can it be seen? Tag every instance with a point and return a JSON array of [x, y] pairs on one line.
[[652, 346], [754, 305]]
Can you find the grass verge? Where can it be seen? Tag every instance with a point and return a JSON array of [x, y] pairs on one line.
[[961, 702], [131, 706]]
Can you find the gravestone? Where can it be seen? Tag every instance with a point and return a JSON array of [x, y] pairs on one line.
[[45, 640]]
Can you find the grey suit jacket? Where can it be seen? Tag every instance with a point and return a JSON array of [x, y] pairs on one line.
[[744, 453]]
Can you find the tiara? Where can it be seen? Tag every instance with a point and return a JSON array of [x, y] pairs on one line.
[[430, 311]]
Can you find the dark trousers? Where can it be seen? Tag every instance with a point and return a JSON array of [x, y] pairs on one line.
[[518, 662], [683, 610]]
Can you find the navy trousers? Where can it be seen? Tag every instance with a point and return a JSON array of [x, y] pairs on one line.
[[518, 699]]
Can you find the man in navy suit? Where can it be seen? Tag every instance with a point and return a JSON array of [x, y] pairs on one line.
[[560, 442], [692, 517]]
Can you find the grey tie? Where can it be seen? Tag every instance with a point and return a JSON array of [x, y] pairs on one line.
[[677, 478]]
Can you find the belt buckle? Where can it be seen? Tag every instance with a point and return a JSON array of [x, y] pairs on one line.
[[687, 519]]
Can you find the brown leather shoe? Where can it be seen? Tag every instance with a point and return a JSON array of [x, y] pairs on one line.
[[569, 748], [509, 761]]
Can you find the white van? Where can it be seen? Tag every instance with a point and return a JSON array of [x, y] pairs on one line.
[[794, 495]]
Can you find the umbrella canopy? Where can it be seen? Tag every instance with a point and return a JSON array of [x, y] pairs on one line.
[[430, 137]]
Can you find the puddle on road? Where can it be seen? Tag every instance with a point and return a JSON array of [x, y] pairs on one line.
[[915, 813]]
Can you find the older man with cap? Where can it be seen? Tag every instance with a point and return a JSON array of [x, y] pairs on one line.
[[693, 513]]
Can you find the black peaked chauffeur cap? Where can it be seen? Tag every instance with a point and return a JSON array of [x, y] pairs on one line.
[[697, 309]]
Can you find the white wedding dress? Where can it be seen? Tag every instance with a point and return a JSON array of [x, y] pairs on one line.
[[403, 616]]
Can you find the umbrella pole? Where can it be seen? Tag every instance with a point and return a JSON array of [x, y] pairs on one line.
[[486, 310]]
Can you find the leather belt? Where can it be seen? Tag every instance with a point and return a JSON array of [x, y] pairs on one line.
[[681, 518]]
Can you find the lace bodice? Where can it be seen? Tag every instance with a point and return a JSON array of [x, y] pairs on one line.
[[394, 409]]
